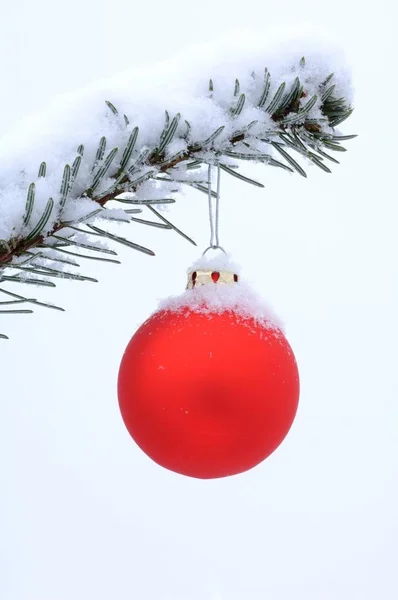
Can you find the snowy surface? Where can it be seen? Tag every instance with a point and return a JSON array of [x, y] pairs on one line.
[[216, 259], [83, 513], [178, 85], [214, 298]]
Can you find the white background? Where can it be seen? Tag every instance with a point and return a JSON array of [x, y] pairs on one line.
[[83, 513]]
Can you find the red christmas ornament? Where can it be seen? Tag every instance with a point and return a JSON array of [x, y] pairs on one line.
[[208, 391]]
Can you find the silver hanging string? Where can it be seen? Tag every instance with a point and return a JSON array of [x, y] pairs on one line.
[[210, 197], [214, 211], [218, 205]]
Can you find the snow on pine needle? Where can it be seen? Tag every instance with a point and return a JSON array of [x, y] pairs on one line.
[[128, 144]]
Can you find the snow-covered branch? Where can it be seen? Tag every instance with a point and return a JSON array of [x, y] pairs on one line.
[[97, 152]]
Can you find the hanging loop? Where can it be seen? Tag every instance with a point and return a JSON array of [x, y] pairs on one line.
[[214, 248], [214, 210]]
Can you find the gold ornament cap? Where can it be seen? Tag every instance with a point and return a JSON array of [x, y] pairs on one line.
[[200, 277]]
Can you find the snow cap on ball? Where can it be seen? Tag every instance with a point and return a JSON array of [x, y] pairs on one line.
[[215, 286]]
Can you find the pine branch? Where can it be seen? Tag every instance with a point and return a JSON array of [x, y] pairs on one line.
[[296, 123]]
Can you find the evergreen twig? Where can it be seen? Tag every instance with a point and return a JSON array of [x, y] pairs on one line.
[[295, 129]]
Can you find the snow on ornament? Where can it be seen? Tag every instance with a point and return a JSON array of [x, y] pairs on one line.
[[208, 386]]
